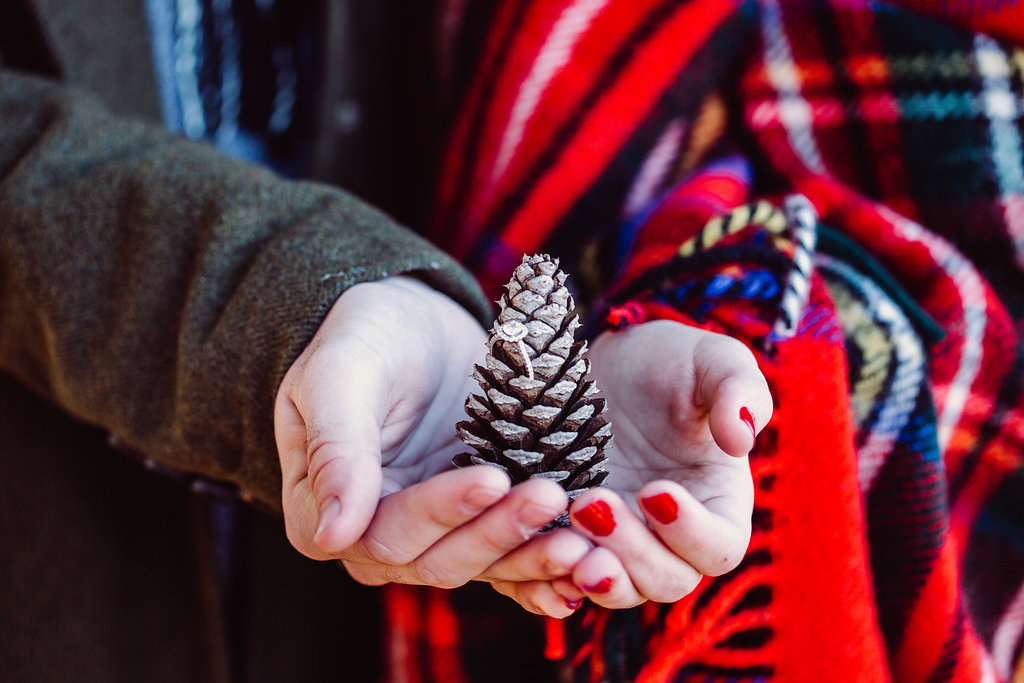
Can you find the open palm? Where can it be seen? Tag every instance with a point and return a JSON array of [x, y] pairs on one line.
[[685, 405], [677, 398]]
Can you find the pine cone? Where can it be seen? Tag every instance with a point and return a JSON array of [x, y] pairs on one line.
[[539, 415]]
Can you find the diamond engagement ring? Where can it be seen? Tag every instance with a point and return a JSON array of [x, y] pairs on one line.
[[515, 332]]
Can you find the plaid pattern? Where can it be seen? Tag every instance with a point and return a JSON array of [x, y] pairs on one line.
[[657, 146]]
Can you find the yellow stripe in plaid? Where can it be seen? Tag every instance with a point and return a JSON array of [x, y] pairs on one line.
[[762, 214]]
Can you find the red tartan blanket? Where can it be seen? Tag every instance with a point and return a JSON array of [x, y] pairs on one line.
[[661, 149]]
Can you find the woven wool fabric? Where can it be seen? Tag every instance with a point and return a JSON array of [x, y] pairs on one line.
[[660, 149]]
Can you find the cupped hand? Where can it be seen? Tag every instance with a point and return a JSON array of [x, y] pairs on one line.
[[364, 422], [685, 406]]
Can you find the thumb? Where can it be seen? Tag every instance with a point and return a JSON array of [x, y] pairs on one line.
[[329, 443], [730, 383], [345, 479]]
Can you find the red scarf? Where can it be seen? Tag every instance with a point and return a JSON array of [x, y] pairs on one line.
[[650, 144]]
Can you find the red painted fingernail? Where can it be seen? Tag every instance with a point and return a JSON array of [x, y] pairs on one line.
[[597, 518], [602, 586], [662, 506], [572, 604], [749, 419]]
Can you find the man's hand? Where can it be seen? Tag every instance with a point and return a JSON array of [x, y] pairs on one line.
[[369, 410]]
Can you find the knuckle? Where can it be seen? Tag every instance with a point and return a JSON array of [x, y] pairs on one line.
[[506, 588], [494, 543], [433, 575], [554, 567], [302, 542], [441, 516], [384, 553], [320, 458], [393, 574], [364, 574], [527, 599], [532, 608]]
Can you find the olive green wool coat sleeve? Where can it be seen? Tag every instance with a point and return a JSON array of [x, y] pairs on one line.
[[155, 288]]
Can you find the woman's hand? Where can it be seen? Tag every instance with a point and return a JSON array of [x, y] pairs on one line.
[[685, 405]]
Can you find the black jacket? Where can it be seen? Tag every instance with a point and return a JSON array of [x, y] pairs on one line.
[[152, 294]]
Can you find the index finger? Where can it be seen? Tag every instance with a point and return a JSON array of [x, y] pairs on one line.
[[409, 521], [711, 536]]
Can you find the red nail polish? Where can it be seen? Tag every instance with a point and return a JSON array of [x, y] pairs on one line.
[[597, 518], [572, 604], [602, 586], [662, 506], [749, 419]]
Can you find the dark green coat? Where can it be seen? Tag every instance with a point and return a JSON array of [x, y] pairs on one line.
[[152, 290]]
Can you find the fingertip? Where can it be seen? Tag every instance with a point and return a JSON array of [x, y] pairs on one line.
[[479, 498], [749, 433], [559, 612], [536, 597], [661, 507], [544, 496], [569, 591], [491, 476], [550, 603], [574, 604], [328, 513], [737, 393], [338, 526], [478, 487], [593, 514], [734, 426], [566, 548], [603, 579], [711, 541], [748, 419], [544, 486]]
